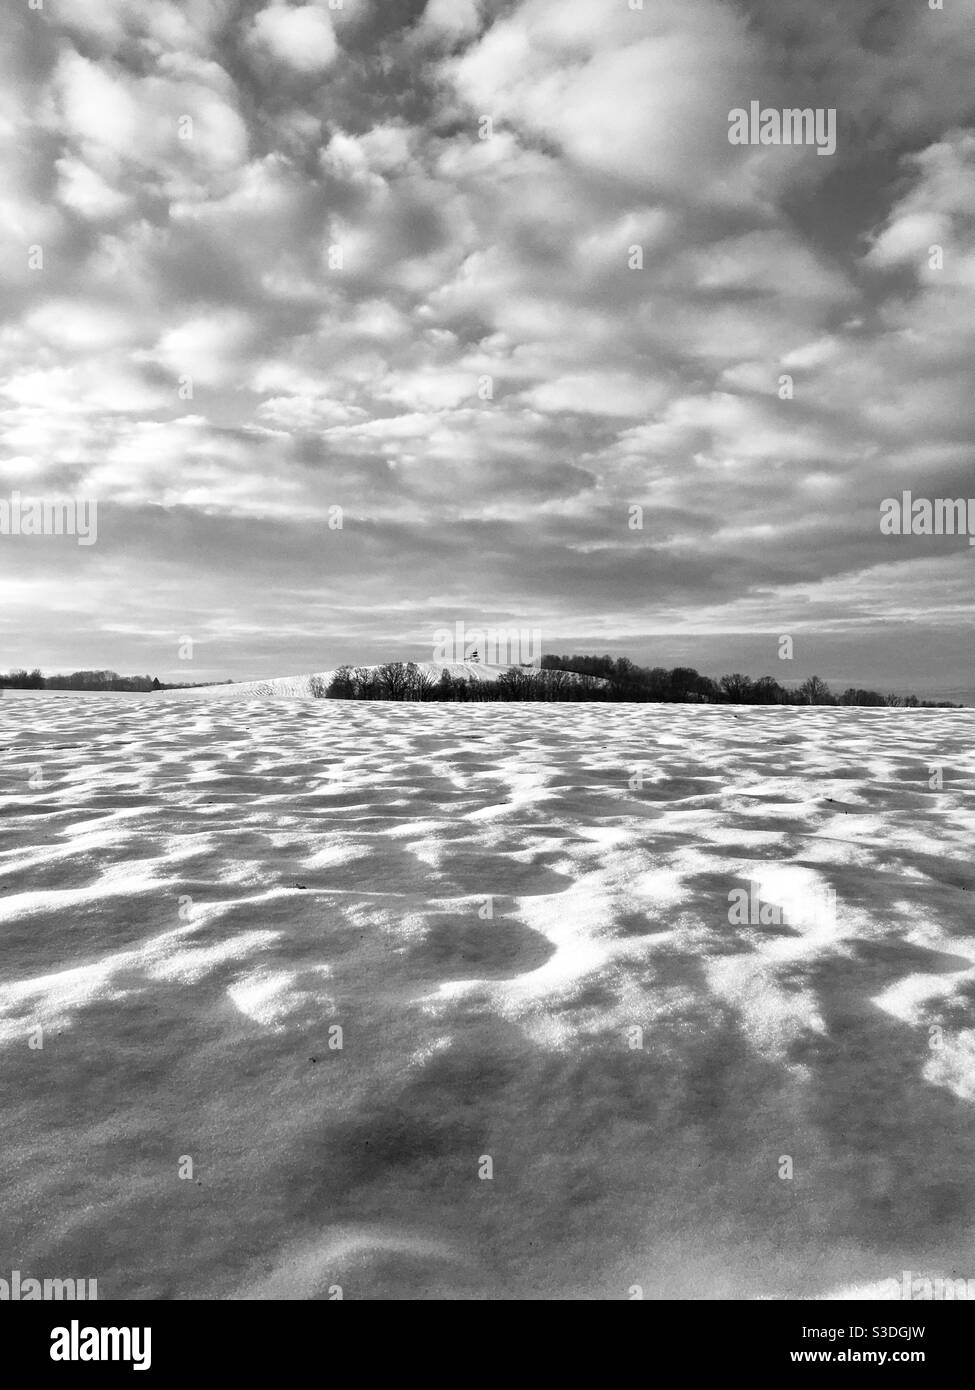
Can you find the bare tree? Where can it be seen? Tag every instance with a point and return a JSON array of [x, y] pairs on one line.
[[814, 691], [392, 681], [736, 689], [342, 685]]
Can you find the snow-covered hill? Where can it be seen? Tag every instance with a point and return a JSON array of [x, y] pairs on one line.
[[300, 687]]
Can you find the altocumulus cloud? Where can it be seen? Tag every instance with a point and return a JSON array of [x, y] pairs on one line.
[[484, 275]]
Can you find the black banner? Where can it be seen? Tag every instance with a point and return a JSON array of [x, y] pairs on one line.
[[175, 1339]]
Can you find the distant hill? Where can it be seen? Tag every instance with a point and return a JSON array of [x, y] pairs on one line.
[[302, 687]]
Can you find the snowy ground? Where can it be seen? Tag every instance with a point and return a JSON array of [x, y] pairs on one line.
[[193, 896]]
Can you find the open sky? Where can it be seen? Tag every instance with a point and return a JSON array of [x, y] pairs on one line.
[[380, 257]]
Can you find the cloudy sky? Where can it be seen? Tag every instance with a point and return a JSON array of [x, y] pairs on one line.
[[380, 257]]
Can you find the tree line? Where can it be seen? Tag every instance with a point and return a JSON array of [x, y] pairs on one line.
[[598, 678], [627, 681], [593, 678], [399, 680], [83, 680]]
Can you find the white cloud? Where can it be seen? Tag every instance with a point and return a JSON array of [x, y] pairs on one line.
[[597, 393], [302, 37], [451, 19], [937, 210], [209, 347], [172, 134], [560, 68], [86, 192], [82, 326]]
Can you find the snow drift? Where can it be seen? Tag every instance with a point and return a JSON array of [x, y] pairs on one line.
[[432, 1000]]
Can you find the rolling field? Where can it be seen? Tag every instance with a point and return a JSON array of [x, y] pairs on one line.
[[485, 1001]]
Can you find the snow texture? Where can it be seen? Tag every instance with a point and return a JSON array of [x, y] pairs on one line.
[[519, 917]]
